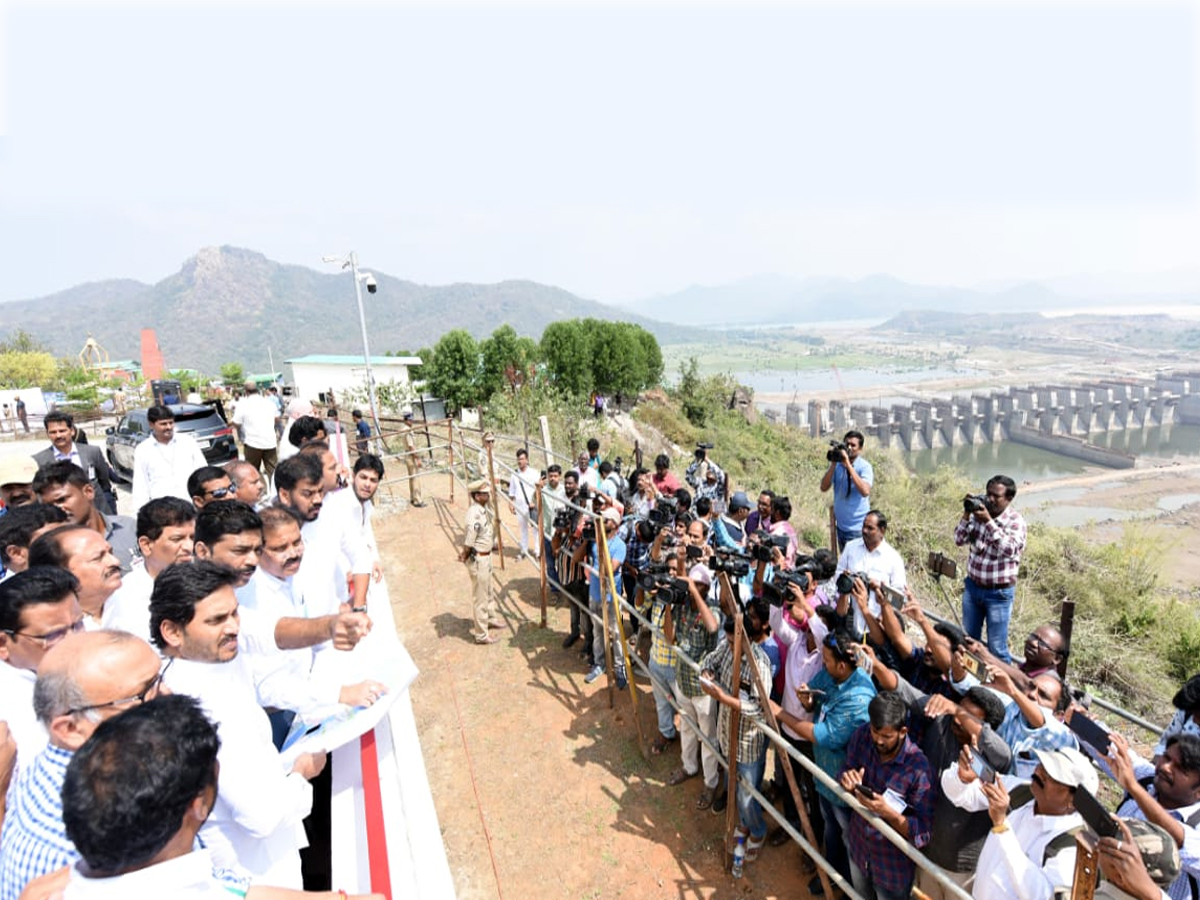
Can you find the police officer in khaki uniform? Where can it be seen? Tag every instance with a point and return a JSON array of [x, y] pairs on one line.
[[477, 554], [412, 460]]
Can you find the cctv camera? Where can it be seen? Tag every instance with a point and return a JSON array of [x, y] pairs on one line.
[[371, 283]]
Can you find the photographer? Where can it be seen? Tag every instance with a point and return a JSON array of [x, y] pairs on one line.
[[642, 494], [717, 683], [568, 538], [695, 635], [601, 599], [799, 632], [552, 493], [851, 478], [706, 477], [996, 534], [873, 557]]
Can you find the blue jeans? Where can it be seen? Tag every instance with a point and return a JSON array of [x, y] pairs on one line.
[[845, 537], [750, 812], [865, 885], [666, 712], [551, 564], [837, 820], [993, 605]]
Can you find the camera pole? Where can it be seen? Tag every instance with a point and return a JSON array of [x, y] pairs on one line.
[[450, 447], [833, 538], [607, 577], [764, 698]]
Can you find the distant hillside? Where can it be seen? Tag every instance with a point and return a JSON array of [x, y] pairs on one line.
[[227, 304], [779, 299]]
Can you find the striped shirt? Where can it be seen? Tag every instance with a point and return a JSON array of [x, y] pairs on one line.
[[996, 547], [34, 841]]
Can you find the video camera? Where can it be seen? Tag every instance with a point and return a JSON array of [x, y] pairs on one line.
[[777, 590], [663, 514], [836, 449], [701, 449], [733, 563], [760, 550], [657, 578]]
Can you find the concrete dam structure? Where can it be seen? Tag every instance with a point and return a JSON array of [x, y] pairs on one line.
[[1053, 417]]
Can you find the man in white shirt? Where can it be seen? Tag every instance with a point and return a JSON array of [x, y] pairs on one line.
[[165, 532], [256, 822], [87, 556], [873, 556], [135, 826], [37, 610], [255, 416], [1030, 853], [163, 462], [522, 497]]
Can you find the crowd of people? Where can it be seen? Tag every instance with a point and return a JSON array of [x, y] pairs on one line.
[[988, 765], [153, 665]]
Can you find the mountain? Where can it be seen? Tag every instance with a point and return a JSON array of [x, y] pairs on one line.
[[229, 305], [780, 299]]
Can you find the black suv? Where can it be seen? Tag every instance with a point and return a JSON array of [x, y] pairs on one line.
[[203, 423]]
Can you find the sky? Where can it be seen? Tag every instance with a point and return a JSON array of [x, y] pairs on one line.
[[619, 149]]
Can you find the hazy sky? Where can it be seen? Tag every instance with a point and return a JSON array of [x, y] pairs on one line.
[[615, 149]]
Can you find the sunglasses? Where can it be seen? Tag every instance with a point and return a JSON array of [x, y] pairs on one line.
[[220, 492]]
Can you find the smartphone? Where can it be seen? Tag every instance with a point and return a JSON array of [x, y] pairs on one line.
[[867, 792], [975, 666], [1097, 817], [982, 768], [1090, 731], [896, 598]]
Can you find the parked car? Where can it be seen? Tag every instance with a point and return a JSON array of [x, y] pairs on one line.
[[213, 434]]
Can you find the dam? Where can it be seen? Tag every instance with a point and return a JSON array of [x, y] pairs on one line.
[[1055, 417]]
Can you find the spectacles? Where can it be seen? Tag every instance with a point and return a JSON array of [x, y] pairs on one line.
[[220, 492], [1041, 643], [149, 692], [50, 638]]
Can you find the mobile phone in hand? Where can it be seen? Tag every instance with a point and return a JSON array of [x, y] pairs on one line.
[[867, 792], [1091, 732], [981, 767], [895, 597], [1098, 818]]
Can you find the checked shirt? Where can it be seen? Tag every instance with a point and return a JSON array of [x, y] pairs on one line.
[[35, 840], [996, 547], [751, 741]]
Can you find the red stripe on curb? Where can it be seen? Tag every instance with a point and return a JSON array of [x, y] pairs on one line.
[[377, 852]]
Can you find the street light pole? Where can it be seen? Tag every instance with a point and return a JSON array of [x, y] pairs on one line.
[[351, 262]]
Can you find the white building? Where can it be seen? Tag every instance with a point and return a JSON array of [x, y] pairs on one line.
[[314, 375]]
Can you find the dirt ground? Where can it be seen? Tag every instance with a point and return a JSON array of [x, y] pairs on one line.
[[541, 788]]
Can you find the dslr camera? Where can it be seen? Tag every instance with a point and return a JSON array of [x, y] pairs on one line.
[[847, 580], [760, 551], [836, 449], [973, 503]]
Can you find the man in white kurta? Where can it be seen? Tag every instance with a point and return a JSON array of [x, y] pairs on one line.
[[257, 822], [163, 462]]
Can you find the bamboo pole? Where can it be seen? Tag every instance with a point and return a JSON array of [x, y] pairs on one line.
[[450, 465], [735, 722], [764, 697], [541, 551], [488, 440], [601, 555], [610, 578]]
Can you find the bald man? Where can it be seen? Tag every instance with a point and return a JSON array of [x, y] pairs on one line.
[[83, 680]]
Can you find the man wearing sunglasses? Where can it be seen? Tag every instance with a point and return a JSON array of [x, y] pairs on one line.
[[210, 483], [82, 681], [65, 485], [37, 610]]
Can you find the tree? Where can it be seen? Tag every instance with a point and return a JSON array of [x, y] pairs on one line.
[[653, 357], [233, 373], [21, 341], [567, 353], [453, 373], [26, 368], [503, 351]]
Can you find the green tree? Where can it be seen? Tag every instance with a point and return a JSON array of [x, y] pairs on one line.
[[652, 355], [26, 368], [233, 373], [502, 351], [566, 350], [454, 371]]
